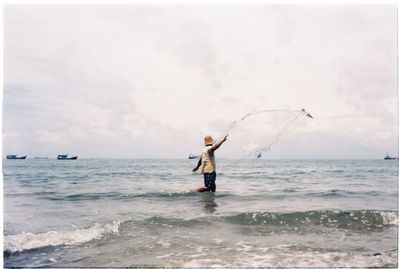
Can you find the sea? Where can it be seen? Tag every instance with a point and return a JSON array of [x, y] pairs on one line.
[[139, 213]]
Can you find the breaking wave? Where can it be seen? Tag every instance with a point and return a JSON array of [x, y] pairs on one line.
[[29, 241]]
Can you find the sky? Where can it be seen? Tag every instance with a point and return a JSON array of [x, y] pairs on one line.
[[150, 81]]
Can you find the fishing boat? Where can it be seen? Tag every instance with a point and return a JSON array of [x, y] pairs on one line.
[[191, 156], [65, 157], [387, 157], [16, 157]]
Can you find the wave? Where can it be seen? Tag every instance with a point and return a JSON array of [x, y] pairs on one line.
[[343, 193], [176, 222], [334, 193], [181, 195], [357, 219], [29, 241], [124, 196], [348, 220], [339, 171]]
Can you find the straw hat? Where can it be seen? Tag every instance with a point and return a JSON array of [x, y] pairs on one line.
[[208, 140]]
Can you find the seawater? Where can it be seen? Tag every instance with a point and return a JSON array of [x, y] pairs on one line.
[[273, 213]]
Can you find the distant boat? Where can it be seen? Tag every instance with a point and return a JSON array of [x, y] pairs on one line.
[[259, 155], [16, 157], [65, 157], [191, 156], [387, 157]]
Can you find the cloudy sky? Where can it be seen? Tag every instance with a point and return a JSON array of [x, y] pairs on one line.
[[149, 81]]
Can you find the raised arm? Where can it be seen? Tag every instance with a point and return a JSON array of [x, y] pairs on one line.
[[217, 145]]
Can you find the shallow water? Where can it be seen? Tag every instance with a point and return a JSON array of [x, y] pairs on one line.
[[104, 212]]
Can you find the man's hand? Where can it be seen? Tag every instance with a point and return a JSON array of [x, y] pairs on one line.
[[217, 145]]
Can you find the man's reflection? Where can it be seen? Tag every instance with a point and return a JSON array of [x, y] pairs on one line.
[[210, 205]]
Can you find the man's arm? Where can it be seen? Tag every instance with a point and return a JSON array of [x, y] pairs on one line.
[[198, 165], [217, 145]]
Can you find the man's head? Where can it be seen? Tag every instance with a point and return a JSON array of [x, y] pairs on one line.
[[208, 140]]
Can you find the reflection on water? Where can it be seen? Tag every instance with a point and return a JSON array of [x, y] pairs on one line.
[[210, 205]]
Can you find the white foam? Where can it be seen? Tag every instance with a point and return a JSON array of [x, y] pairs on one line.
[[26, 241], [165, 255], [390, 218], [285, 256], [217, 263], [288, 256], [335, 259]]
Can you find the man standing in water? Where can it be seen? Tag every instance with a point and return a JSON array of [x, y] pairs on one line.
[[207, 163]]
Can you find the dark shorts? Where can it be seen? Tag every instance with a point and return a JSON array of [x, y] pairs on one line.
[[209, 181]]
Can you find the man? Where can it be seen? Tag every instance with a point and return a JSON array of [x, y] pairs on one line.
[[207, 163]]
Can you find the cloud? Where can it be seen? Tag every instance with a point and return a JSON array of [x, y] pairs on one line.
[[365, 84]]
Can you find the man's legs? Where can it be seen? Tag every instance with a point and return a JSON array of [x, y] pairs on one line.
[[209, 181], [201, 189]]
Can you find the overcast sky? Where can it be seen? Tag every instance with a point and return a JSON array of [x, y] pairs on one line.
[[137, 81]]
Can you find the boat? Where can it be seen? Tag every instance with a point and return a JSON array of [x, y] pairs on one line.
[[191, 156], [259, 155], [65, 157], [16, 157], [387, 157]]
